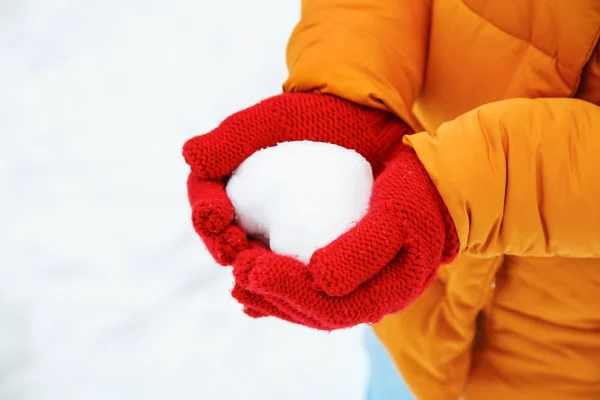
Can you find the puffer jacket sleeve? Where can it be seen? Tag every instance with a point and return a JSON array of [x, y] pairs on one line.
[[369, 52], [520, 177]]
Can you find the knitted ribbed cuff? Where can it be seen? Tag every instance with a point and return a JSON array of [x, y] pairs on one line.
[[451, 242], [388, 131]]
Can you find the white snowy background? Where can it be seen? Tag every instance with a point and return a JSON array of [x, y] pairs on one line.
[[105, 291]]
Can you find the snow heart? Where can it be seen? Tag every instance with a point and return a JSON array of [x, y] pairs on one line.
[[299, 196]]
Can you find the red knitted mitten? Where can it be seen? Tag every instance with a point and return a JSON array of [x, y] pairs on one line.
[[287, 117], [378, 267], [258, 306]]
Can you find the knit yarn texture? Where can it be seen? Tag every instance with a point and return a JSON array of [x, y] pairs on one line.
[[378, 267]]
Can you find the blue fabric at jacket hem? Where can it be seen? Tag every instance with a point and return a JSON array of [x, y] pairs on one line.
[[385, 383]]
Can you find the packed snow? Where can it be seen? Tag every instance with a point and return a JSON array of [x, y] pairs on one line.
[[106, 292], [301, 195]]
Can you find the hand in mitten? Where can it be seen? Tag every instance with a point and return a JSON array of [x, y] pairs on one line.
[[377, 267], [214, 156]]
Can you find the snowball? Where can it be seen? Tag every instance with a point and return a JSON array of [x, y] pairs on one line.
[[300, 196]]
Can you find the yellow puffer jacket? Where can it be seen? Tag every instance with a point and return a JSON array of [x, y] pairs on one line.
[[505, 98]]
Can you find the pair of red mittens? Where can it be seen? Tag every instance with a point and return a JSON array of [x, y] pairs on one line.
[[378, 267]]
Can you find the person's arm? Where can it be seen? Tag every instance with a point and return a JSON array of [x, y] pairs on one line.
[[520, 177], [369, 52]]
